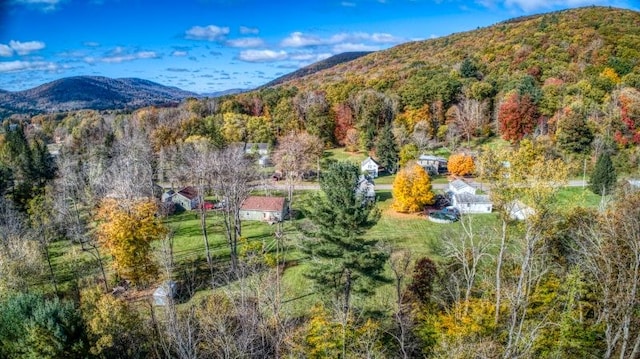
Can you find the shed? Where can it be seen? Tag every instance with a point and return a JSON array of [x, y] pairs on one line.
[[520, 211], [164, 292], [267, 209], [472, 203], [370, 167]]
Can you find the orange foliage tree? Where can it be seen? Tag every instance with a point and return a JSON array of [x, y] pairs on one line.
[[127, 229], [517, 116], [412, 190], [460, 164]]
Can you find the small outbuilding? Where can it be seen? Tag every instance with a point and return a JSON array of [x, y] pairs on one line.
[[164, 293], [186, 198], [520, 211], [370, 167], [460, 186], [366, 188], [266, 209]]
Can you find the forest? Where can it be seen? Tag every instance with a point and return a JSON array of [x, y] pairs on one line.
[[524, 106]]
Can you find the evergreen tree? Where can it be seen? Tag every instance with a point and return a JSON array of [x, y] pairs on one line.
[[346, 262], [387, 150], [603, 177], [573, 135], [468, 68]]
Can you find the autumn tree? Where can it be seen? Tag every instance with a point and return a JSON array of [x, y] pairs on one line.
[[412, 189], [296, 154], [387, 150], [344, 261], [517, 117], [460, 164], [127, 230], [344, 122]]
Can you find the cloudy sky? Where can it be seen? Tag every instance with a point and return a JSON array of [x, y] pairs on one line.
[[213, 45]]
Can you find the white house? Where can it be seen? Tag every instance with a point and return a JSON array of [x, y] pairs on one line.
[[366, 188], [471, 203], [460, 186], [370, 167]]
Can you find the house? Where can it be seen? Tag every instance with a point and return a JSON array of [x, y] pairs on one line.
[[370, 167], [264, 161], [460, 186], [167, 196], [267, 209], [433, 164], [366, 188], [634, 183], [471, 203], [187, 198], [252, 148]]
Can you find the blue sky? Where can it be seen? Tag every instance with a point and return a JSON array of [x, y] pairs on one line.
[[213, 45]]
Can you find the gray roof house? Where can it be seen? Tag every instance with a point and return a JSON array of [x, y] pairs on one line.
[[366, 188], [433, 164], [460, 186], [471, 203], [370, 167]]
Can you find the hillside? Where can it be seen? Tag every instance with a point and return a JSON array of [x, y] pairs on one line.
[[569, 45], [318, 66], [90, 92]]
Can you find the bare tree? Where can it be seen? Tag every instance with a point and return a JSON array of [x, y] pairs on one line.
[[232, 182], [400, 262], [296, 154], [469, 116]]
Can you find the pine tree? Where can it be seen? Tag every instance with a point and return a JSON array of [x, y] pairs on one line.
[[573, 135], [387, 150], [603, 177], [346, 262]]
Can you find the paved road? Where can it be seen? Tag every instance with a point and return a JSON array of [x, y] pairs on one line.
[[439, 186]]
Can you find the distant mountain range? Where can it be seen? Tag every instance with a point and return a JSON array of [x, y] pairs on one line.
[[90, 92]]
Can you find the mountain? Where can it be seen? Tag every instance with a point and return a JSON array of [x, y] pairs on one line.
[[318, 66], [90, 92], [224, 92], [567, 46]]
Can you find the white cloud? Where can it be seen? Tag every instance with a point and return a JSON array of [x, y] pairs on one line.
[[349, 47], [5, 51], [119, 55], [91, 44], [25, 48], [246, 42], [245, 30], [348, 4], [179, 53], [211, 33], [262, 55], [17, 66], [298, 39], [44, 5]]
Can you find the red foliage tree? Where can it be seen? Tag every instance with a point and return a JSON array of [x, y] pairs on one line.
[[518, 116], [344, 122], [629, 132]]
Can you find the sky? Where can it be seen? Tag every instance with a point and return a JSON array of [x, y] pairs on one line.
[[206, 46]]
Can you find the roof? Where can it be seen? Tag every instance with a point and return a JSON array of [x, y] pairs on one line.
[[259, 203], [367, 160], [431, 158], [472, 198], [634, 183], [189, 192], [459, 185]]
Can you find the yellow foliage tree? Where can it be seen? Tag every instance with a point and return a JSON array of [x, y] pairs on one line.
[[126, 229], [460, 164], [412, 190]]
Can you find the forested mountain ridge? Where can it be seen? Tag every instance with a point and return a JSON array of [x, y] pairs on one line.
[[570, 45], [90, 92]]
